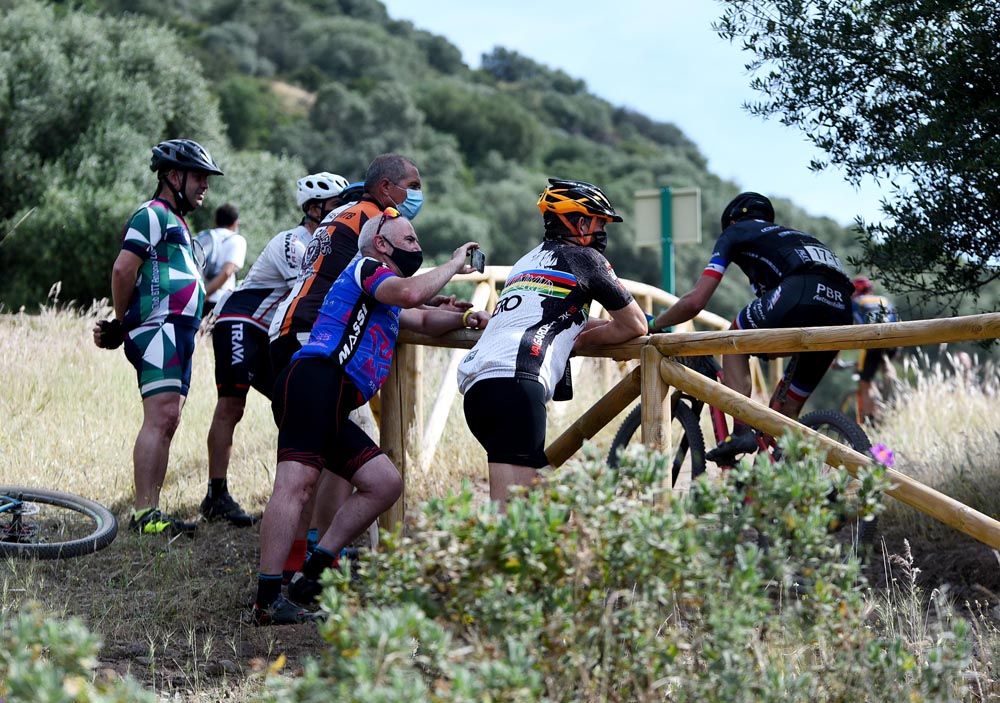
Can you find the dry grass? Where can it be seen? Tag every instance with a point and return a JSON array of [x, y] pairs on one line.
[[944, 432], [171, 613]]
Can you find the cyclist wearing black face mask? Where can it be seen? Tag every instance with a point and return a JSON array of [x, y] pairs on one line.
[[541, 316]]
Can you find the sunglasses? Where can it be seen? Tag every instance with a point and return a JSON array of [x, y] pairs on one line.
[[390, 213]]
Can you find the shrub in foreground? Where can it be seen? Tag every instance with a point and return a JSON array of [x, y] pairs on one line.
[[601, 585], [45, 659]]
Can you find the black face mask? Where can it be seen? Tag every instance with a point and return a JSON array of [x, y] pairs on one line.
[[600, 241], [408, 262]]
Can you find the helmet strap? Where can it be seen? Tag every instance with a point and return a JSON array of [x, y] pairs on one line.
[[182, 204]]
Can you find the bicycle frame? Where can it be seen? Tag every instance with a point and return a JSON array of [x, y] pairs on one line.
[[707, 366], [8, 503]]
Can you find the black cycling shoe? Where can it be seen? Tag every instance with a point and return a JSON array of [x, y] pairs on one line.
[[154, 522], [304, 591], [281, 612], [732, 446], [225, 507]]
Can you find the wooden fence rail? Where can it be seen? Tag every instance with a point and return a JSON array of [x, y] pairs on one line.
[[656, 373]]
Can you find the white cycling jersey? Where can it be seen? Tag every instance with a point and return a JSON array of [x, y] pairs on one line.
[[225, 247], [269, 279], [542, 309]]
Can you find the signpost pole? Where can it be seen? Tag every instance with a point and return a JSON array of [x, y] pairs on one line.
[[667, 239]]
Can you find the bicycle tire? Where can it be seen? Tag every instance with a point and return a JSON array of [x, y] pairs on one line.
[[691, 443], [855, 437], [847, 428], [105, 525]]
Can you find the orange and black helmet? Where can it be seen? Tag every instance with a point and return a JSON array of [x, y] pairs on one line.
[[563, 197]]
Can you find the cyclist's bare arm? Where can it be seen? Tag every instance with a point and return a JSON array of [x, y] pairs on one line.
[[689, 304], [228, 269], [627, 323], [123, 275]]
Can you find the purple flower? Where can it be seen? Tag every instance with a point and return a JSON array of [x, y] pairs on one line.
[[883, 455]]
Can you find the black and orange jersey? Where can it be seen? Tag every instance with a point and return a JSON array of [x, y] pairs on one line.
[[333, 246]]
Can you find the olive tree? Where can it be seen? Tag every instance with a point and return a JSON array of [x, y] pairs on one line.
[[905, 91]]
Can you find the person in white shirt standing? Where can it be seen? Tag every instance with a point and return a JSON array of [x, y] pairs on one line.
[[240, 336], [225, 251]]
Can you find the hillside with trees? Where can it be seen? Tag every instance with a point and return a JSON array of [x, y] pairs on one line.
[[277, 89]]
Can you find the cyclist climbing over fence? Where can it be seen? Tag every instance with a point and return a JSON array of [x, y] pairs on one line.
[[799, 282]]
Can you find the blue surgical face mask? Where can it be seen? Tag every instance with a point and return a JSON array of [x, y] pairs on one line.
[[411, 206]]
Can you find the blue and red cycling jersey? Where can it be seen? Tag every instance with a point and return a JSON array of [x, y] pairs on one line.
[[354, 328]]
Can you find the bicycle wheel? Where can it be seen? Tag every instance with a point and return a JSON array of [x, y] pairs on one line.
[[54, 525], [838, 426], [686, 439]]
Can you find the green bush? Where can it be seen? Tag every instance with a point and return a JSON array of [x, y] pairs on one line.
[[83, 99], [602, 586], [45, 659]]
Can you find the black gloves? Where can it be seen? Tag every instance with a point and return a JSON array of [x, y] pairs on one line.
[[112, 334]]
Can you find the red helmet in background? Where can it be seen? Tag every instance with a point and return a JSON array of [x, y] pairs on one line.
[[863, 285]]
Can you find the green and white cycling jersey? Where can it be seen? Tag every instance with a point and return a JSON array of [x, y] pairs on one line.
[[169, 287]]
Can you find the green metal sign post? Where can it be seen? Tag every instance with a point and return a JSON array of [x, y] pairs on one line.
[[667, 239]]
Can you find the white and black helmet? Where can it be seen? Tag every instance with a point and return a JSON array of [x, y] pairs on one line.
[[319, 186]]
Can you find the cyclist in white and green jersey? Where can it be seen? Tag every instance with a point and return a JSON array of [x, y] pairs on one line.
[[158, 293]]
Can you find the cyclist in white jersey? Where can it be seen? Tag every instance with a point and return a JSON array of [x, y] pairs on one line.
[[542, 315], [240, 337]]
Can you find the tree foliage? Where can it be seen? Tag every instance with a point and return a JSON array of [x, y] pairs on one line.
[[906, 92], [296, 86], [82, 100]]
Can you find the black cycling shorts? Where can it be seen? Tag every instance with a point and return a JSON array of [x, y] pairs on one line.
[[242, 359], [507, 417], [312, 399], [803, 300], [282, 349]]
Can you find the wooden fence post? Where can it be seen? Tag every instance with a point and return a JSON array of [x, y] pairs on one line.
[[402, 416], [655, 409]]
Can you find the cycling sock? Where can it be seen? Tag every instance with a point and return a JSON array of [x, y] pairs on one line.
[[217, 487], [319, 561], [312, 538], [138, 515], [268, 589], [296, 556]]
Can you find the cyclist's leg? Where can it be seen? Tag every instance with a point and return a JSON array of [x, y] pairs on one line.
[[801, 378], [161, 414], [867, 405], [161, 355]]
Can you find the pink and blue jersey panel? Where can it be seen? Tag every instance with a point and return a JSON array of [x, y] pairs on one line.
[[354, 328]]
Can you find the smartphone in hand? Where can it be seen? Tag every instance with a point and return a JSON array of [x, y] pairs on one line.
[[477, 260]]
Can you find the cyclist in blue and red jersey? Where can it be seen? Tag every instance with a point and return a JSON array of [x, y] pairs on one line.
[[799, 282], [158, 293], [344, 362]]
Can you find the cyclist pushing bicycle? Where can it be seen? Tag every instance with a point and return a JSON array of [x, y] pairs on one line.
[[798, 281]]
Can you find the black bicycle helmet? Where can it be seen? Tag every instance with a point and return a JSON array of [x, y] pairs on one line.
[[747, 205], [184, 155], [562, 197]]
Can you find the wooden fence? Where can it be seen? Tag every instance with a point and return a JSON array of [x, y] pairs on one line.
[[410, 447]]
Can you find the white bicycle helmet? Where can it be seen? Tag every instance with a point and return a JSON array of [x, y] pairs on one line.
[[319, 186]]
